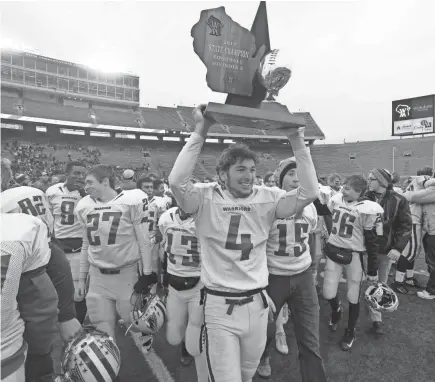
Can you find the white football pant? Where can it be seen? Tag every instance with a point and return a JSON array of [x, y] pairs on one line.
[[354, 275], [109, 294], [234, 342], [185, 317]]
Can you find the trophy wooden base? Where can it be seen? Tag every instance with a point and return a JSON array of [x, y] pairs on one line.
[[270, 115]]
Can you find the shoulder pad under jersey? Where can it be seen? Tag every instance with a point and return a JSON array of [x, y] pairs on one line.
[[369, 208], [86, 201], [337, 198], [325, 194], [53, 189]]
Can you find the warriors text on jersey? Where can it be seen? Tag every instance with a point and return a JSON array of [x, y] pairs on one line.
[[114, 235], [288, 251], [233, 234], [63, 203], [24, 247], [349, 220], [27, 200], [181, 244]]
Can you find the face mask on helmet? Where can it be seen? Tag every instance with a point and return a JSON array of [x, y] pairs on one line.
[[381, 298], [92, 356], [148, 314]]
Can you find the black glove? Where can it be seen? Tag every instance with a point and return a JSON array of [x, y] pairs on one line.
[[144, 283]]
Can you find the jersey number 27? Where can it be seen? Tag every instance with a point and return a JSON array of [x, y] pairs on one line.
[[93, 223]]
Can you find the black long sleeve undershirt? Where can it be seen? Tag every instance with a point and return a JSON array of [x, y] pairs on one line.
[[59, 271]]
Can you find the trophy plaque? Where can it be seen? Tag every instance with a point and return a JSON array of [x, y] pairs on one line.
[[237, 66]]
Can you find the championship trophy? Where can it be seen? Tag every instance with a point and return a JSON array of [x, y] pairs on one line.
[[250, 74]]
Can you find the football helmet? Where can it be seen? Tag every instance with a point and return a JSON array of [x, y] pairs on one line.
[[148, 314], [92, 356], [381, 298]]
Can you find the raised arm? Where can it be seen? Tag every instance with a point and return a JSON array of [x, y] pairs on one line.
[[308, 191], [186, 194]]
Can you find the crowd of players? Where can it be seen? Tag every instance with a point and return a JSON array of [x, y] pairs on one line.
[[222, 264]]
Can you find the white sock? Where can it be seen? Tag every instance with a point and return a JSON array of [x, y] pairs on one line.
[[279, 329], [409, 273], [400, 276]]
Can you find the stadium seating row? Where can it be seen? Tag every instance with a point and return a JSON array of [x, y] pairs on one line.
[[327, 158], [165, 118]]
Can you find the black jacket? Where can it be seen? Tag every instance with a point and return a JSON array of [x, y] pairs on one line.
[[397, 223]]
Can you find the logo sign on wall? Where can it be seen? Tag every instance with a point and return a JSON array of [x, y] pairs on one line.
[[413, 116]]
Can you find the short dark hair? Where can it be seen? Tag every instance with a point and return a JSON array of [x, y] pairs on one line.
[[333, 176], [102, 171], [69, 166], [233, 153], [395, 178], [268, 176], [157, 183], [143, 179], [357, 182]]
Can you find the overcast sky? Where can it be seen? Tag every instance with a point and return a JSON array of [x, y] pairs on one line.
[[349, 59]]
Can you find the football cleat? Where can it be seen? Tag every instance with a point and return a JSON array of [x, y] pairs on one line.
[[186, 358], [335, 319], [347, 340], [281, 343], [400, 288], [264, 370], [413, 282]]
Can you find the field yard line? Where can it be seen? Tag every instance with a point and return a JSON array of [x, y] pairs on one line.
[[154, 362]]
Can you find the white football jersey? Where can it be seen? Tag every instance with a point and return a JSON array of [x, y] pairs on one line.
[[233, 234], [416, 208], [63, 203], [288, 250], [27, 200], [114, 229], [349, 220], [24, 247], [157, 206], [181, 244]]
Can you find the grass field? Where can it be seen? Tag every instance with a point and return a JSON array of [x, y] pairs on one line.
[[406, 353]]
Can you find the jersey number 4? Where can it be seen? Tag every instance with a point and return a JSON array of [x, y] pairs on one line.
[[93, 223], [301, 229], [245, 244]]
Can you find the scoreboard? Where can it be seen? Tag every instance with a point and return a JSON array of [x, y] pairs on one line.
[[413, 116], [30, 70]]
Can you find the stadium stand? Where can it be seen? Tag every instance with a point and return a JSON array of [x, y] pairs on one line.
[[41, 109], [410, 155]]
